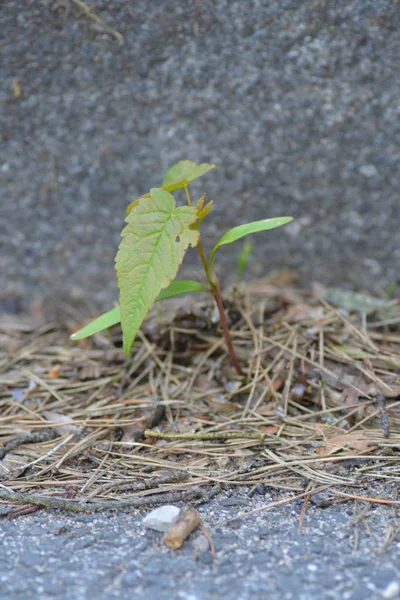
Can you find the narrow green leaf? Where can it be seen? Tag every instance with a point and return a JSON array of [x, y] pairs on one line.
[[113, 316], [106, 320], [241, 231], [242, 260], [201, 214], [176, 288], [153, 245], [183, 173]]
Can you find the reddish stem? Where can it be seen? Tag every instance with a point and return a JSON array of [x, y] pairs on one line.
[[227, 335]]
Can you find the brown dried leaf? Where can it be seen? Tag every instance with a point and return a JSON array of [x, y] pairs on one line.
[[358, 441], [90, 370]]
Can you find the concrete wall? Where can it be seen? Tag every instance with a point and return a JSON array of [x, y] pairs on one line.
[[296, 102]]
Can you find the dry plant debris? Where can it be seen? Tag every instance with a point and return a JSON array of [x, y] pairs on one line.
[[84, 428]]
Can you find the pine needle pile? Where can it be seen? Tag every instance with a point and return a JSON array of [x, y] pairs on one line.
[[84, 428]]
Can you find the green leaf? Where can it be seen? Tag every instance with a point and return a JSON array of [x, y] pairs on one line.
[[241, 231], [183, 286], [178, 176], [242, 260], [201, 214], [183, 173], [153, 245], [106, 320], [113, 316], [132, 205]]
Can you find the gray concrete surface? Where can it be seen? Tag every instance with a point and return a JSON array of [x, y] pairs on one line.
[[296, 102], [54, 556]]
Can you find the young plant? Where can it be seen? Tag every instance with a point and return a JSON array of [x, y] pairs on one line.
[[153, 245]]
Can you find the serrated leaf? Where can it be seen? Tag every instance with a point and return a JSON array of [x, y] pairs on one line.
[[113, 316], [132, 205], [183, 173], [153, 245], [178, 176], [241, 231]]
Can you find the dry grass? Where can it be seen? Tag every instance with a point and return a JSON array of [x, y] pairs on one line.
[[320, 407]]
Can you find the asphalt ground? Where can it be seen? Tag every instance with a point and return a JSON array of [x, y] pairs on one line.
[[338, 554]]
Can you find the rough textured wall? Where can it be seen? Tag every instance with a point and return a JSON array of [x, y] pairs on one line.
[[297, 103]]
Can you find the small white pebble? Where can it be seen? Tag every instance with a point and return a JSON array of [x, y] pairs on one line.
[[162, 518], [368, 171], [391, 591]]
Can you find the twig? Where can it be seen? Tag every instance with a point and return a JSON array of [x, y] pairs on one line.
[[89, 507], [43, 435], [383, 415], [214, 435], [304, 507], [91, 15], [207, 534], [366, 498]]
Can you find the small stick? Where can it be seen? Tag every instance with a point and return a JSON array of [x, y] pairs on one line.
[[88, 507], [91, 15], [303, 509], [383, 415], [207, 534], [214, 435], [366, 498], [188, 521], [43, 435]]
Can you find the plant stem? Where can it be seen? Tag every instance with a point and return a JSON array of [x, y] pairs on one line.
[[200, 248], [227, 335], [216, 291]]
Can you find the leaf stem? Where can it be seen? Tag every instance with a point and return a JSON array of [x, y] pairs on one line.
[[216, 291], [188, 199], [227, 335]]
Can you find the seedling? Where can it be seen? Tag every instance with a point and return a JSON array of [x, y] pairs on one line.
[[153, 245]]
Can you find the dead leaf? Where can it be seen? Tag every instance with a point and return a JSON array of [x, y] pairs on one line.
[[54, 372], [268, 429], [301, 312], [358, 441], [12, 465], [222, 407], [90, 370], [62, 424]]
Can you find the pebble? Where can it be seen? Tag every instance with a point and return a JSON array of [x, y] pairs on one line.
[[391, 591], [200, 543], [162, 518]]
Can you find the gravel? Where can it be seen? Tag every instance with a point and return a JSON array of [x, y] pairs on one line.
[[112, 555]]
